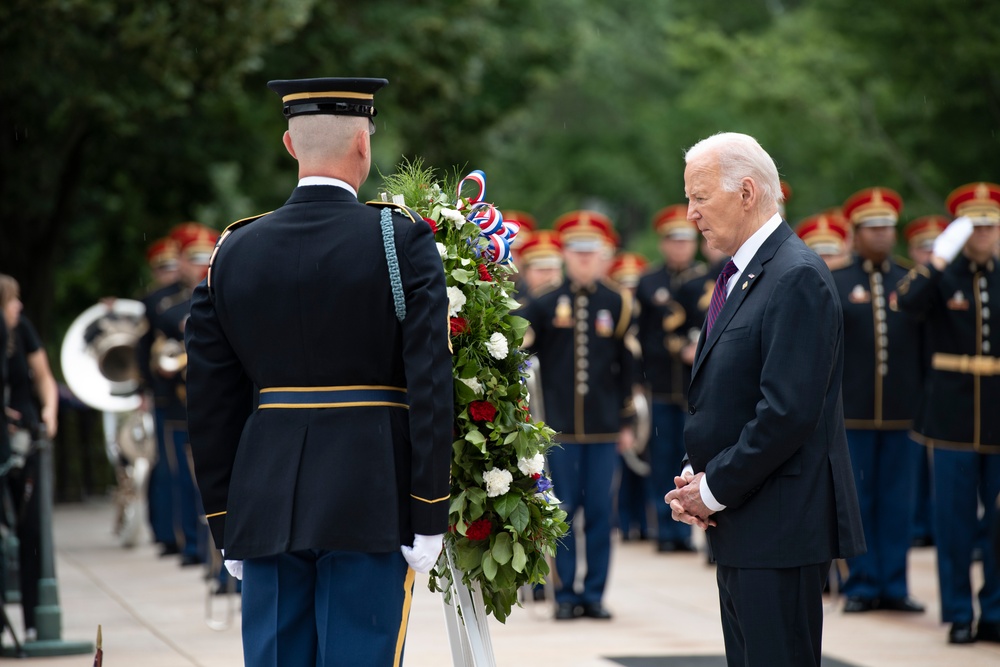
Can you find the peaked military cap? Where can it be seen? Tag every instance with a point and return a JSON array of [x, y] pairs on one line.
[[331, 95]]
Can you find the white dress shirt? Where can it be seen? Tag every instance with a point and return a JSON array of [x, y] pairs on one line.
[[326, 180]]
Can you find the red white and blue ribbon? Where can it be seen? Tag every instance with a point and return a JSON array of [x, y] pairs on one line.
[[498, 232]]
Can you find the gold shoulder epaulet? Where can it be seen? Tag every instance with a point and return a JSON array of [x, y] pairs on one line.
[[222, 237], [904, 262], [399, 208], [545, 289]]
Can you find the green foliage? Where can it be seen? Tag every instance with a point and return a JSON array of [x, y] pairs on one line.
[[502, 525]]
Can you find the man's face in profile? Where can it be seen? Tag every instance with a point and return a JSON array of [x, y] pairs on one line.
[[717, 213]]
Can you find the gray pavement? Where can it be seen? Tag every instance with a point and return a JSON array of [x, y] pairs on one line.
[[154, 613]]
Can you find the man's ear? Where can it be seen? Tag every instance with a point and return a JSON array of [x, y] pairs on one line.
[[362, 142], [287, 140], [748, 193]]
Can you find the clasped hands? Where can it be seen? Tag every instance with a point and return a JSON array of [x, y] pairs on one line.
[[685, 501]]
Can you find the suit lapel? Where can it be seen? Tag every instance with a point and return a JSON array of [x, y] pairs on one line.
[[748, 278]]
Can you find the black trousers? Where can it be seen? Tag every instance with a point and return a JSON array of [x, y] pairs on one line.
[[772, 618]]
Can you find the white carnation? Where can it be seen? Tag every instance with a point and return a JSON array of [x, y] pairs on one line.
[[497, 482], [532, 466], [497, 346], [473, 384], [456, 300], [442, 250], [454, 216]]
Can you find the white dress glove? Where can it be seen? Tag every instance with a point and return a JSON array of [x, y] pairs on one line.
[[953, 238], [234, 567], [424, 553]]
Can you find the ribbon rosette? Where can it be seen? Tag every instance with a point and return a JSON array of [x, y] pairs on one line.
[[498, 232]]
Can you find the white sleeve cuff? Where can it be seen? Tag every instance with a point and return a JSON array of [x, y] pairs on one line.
[[707, 497], [687, 469]]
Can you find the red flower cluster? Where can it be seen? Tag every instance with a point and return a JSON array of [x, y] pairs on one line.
[[482, 411], [484, 274], [458, 325], [434, 227], [479, 529]]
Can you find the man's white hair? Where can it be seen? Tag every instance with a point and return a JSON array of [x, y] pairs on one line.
[[324, 136], [740, 156]]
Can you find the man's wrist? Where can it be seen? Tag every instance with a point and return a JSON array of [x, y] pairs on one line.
[[708, 497]]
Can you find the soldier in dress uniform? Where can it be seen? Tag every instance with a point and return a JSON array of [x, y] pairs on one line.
[[958, 416], [320, 398], [169, 361], [578, 332], [920, 234], [539, 262], [156, 392], [662, 336], [881, 386], [634, 496], [826, 234]]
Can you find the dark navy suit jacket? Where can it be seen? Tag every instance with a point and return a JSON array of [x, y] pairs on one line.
[[766, 418]]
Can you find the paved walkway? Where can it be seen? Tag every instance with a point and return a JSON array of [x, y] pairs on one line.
[[153, 613]]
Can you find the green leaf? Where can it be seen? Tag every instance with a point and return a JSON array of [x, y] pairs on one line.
[[519, 558], [461, 275], [489, 566], [457, 506], [505, 504], [475, 437], [501, 548], [468, 557], [519, 517]]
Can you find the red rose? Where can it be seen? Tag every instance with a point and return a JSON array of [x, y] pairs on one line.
[[484, 274], [479, 529], [458, 325], [482, 411], [434, 227]]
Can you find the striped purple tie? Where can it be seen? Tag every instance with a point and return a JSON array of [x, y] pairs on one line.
[[719, 295]]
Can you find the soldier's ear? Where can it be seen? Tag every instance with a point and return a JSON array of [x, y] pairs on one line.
[[363, 143], [287, 140]]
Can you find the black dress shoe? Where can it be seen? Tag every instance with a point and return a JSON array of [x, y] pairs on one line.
[[922, 541], [988, 632], [855, 605], [901, 604], [538, 593], [566, 611], [960, 633], [684, 547], [169, 549], [596, 610]]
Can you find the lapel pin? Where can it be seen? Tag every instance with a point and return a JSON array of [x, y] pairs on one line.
[[750, 276], [745, 284]]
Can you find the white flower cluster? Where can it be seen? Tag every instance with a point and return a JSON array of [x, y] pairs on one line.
[[497, 482], [456, 300], [532, 466], [497, 346], [453, 215], [473, 384], [442, 250]]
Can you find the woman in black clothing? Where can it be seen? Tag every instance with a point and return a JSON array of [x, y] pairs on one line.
[[34, 403]]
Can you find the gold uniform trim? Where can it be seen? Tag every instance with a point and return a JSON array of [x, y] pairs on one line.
[[430, 502], [405, 617], [355, 404], [329, 93], [334, 388], [214, 514], [963, 363]]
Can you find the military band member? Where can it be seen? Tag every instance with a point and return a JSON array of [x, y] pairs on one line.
[[157, 390], [320, 398], [526, 226], [958, 417], [826, 234], [920, 234], [578, 332], [881, 386], [539, 263], [662, 335], [634, 495]]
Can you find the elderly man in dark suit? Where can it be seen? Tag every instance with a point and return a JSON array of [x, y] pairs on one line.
[[769, 472], [320, 399]]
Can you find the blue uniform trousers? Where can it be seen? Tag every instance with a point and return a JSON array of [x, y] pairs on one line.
[[666, 453], [923, 507], [161, 494], [583, 476], [326, 609], [885, 476], [961, 481], [185, 493], [633, 500]]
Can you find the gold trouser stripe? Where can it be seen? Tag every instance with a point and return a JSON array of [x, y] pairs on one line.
[[342, 387], [407, 600], [436, 500], [964, 363], [209, 516], [330, 93]]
